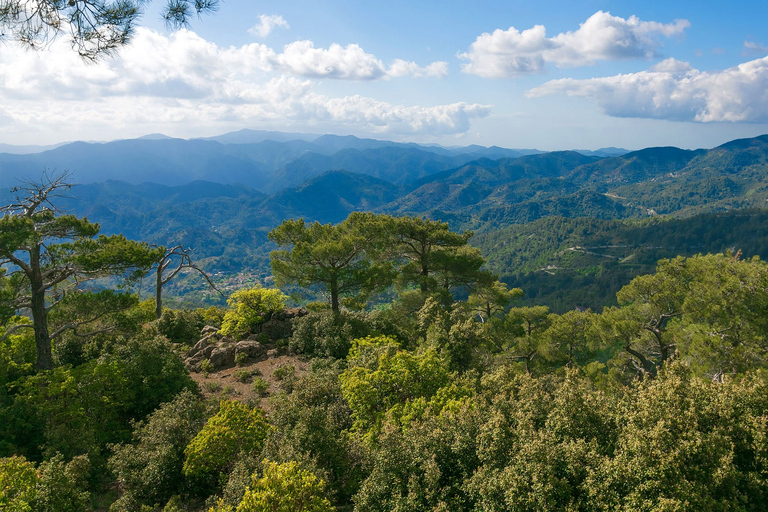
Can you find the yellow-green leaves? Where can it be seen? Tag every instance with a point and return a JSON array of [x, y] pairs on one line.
[[249, 308], [236, 430], [18, 482], [285, 488]]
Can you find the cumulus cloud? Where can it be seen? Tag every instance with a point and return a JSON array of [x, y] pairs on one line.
[[674, 90], [347, 63], [509, 53], [183, 78], [267, 24]]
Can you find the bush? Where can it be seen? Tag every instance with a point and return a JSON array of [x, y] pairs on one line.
[[79, 410], [18, 484], [242, 375], [180, 326], [235, 431], [212, 386], [285, 488], [62, 486], [325, 334], [250, 308], [312, 427], [149, 471], [260, 386], [213, 315], [285, 371]]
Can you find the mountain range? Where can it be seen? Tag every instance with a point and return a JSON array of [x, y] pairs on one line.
[[222, 195]]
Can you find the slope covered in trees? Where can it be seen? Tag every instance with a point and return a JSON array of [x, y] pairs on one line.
[[443, 392]]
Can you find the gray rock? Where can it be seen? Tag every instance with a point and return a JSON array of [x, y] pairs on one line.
[[209, 329], [223, 356], [194, 360], [273, 352], [200, 345], [250, 348]]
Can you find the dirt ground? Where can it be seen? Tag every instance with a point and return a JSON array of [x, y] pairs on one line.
[[225, 384]]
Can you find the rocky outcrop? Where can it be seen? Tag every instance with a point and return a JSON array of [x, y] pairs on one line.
[[250, 348], [280, 325], [221, 351]]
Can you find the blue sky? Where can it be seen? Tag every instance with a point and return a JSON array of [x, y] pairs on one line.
[[547, 75]]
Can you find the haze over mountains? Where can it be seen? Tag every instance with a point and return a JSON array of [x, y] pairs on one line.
[[221, 196], [258, 159]]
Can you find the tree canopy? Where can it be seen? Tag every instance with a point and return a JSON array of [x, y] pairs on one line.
[[95, 27], [49, 255]]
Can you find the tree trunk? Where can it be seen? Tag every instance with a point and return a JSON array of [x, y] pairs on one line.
[[159, 292], [423, 281], [334, 294], [39, 314]]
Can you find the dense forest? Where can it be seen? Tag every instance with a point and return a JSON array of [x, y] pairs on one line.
[[419, 381]]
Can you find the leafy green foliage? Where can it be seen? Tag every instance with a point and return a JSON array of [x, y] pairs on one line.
[[249, 308], [236, 430], [312, 427], [259, 386], [149, 471], [334, 258], [180, 326], [77, 410], [63, 486], [325, 334], [18, 484], [398, 380], [285, 488]]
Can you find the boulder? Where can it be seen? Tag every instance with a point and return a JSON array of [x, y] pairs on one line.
[[209, 329], [280, 325], [200, 345], [223, 356], [198, 354], [250, 348]]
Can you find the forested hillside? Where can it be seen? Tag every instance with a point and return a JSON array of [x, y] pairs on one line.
[[492, 191], [418, 382]]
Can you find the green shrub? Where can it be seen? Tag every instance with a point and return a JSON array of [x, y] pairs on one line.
[[78, 410], [180, 326], [242, 375], [312, 426], [260, 386], [235, 431], [325, 334], [240, 358], [149, 471], [213, 315], [283, 372], [18, 484], [62, 486], [250, 308], [206, 366], [285, 488], [212, 387]]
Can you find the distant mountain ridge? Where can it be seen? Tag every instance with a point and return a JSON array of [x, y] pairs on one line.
[[264, 160], [227, 223]]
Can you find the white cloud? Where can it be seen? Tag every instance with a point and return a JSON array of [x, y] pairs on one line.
[[509, 53], [159, 80], [676, 91], [753, 47], [349, 62], [266, 24]]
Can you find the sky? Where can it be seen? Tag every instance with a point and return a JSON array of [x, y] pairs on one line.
[[550, 74]]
